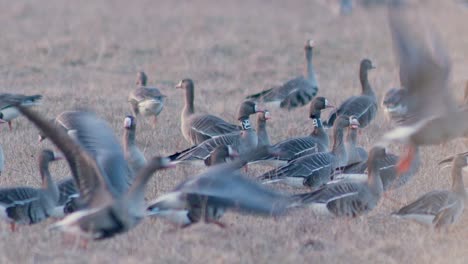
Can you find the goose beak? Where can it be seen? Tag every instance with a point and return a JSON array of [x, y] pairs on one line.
[[179, 85], [267, 115], [40, 138], [373, 66], [328, 105], [354, 123]]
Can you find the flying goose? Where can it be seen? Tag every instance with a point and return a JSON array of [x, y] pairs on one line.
[[133, 155], [27, 205], [440, 208], [432, 116], [8, 112], [389, 175], [315, 169], [197, 127], [296, 92], [363, 106], [221, 187], [348, 198], [108, 204], [242, 142], [296, 147], [148, 101]]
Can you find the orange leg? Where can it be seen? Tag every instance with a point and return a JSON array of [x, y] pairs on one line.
[[10, 126], [405, 163], [154, 120], [13, 227]]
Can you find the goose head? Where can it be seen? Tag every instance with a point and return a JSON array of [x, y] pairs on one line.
[[344, 121], [141, 79], [317, 105], [264, 116], [367, 65], [459, 160], [353, 122], [185, 84], [248, 108]]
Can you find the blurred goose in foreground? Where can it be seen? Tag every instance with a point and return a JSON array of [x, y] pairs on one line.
[[440, 208], [315, 169], [132, 152], [388, 171], [148, 101], [109, 204], [197, 127], [242, 142], [68, 195], [63, 121], [348, 198], [221, 187], [8, 112], [394, 103], [294, 93], [432, 116], [363, 106], [296, 147], [27, 205]]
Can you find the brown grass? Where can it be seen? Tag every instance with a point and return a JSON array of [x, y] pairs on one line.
[[86, 53]]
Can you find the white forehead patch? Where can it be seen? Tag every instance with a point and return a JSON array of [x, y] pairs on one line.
[[127, 122], [267, 115]]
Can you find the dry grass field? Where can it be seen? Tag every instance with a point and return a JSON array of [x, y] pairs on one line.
[[86, 54]]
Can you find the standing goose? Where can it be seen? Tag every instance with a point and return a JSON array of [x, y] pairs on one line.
[[296, 92], [363, 106], [432, 116], [262, 133], [148, 101], [132, 153], [296, 147], [8, 112], [389, 175], [221, 187], [27, 205], [107, 208], [315, 169], [196, 127], [242, 142], [348, 198], [440, 208]]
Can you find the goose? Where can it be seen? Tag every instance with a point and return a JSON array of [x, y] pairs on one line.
[[363, 106], [440, 208], [148, 101], [63, 121], [220, 187], [296, 147], [262, 134], [432, 116], [2, 160], [197, 127], [242, 142], [109, 204], [356, 154], [221, 154], [133, 154], [315, 169], [9, 112], [295, 92], [389, 175], [348, 198], [28, 205]]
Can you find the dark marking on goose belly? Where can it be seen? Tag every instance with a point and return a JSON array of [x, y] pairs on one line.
[[117, 227]]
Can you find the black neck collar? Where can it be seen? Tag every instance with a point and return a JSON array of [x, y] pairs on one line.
[[245, 124]]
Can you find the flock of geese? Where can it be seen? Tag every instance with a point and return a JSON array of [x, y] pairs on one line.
[[105, 195]]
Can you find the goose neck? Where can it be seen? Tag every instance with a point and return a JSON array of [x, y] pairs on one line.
[[189, 107], [309, 68], [374, 181], [363, 77], [457, 181], [48, 183], [263, 137]]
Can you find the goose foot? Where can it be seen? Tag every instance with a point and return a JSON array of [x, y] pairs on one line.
[[405, 162]]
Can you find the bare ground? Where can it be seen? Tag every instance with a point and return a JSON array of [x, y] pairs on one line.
[[86, 54]]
